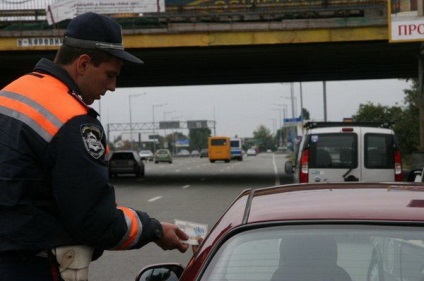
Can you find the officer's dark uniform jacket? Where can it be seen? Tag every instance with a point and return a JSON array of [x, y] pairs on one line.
[[53, 179]]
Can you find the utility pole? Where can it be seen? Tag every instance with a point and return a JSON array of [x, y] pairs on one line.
[[153, 124], [325, 100], [129, 105]]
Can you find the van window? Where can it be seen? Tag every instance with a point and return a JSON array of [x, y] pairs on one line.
[[338, 150], [379, 151]]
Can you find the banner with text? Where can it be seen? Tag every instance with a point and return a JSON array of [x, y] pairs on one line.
[[66, 9], [406, 22]]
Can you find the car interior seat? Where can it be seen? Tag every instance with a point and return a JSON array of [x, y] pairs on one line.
[[311, 258], [323, 158], [346, 156], [374, 158]]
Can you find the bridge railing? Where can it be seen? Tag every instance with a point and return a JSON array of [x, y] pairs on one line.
[[34, 17]]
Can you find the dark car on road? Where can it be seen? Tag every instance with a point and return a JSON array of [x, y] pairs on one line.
[[312, 232], [126, 162]]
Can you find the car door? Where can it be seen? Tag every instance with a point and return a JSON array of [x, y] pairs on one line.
[[378, 156]]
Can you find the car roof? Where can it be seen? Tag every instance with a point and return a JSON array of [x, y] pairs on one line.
[[338, 201], [349, 202], [353, 128]]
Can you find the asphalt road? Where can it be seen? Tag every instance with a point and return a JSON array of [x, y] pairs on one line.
[[190, 189]]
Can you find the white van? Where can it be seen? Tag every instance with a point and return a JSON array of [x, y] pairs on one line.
[[346, 151]]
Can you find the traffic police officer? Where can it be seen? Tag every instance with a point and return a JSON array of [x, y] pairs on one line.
[[54, 190]]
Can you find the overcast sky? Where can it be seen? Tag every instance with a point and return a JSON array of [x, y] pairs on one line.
[[241, 109]]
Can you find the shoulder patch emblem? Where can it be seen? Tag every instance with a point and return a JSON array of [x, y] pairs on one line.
[[91, 137]]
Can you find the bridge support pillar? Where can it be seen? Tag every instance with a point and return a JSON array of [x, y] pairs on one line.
[[420, 98]]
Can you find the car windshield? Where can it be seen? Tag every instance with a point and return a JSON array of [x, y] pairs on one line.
[[324, 252], [123, 156]]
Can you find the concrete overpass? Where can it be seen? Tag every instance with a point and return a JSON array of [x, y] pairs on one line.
[[347, 43]]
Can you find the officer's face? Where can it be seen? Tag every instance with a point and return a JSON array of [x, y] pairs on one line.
[[95, 81]]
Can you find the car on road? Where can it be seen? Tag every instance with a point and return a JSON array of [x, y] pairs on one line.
[[320, 231], [195, 153], [415, 175], [251, 152], [146, 155], [163, 155], [183, 153], [203, 153], [347, 151], [125, 162]]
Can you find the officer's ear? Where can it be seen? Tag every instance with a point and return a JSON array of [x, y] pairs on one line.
[[82, 64]]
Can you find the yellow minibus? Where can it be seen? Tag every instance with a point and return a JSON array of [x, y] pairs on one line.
[[219, 149]]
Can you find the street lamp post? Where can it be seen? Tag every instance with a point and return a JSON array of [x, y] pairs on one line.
[[153, 123], [273, 124], [164, 119], [280, 137], [129, 105], [173, 134], [284, 110]]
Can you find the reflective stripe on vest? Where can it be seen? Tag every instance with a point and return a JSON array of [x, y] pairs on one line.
[[40, 101], [131, 237]]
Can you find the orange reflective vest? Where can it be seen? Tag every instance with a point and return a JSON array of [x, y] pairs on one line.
[[54, 186]]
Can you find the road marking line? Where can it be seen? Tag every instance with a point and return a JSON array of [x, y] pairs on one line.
[[154, 198], [186, 186], [277, 178]]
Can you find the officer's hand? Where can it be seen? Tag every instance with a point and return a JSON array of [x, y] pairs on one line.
[[172, 238]]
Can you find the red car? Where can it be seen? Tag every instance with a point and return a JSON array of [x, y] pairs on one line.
[[312, 232]]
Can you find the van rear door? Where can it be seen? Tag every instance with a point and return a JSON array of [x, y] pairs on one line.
[[334, 157], [378, 156]]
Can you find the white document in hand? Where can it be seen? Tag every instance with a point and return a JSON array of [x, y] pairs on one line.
[[193, 230]]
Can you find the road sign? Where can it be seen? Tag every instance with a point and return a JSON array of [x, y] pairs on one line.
[[182, 143], [169, 125], [197, 124], [153, 137], [290, 122]]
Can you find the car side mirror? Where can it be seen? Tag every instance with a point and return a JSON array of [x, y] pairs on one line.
[[288, 167], [160, 272]]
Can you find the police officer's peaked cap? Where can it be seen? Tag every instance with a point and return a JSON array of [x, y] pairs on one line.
[[95, 31]]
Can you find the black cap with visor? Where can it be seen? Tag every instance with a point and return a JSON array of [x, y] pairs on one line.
[[95, 31]]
